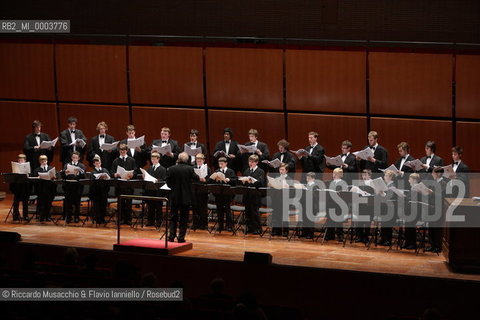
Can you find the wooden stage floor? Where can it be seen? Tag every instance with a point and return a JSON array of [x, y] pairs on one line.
[[331, 255]]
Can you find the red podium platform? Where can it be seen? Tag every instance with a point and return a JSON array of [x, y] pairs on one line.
[[152, 246]]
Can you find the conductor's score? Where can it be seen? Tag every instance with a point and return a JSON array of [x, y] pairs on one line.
[[41, 26]]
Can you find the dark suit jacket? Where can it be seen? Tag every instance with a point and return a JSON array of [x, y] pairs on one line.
[[258, 174], [67, 149], [160, 172], [199, 145], [381, 155], [98, 191], [140, 157], [288, 158], [72, 176], [230, 174], [315, 162], [265, 155], [180, 178], [436, 161], [165, 161], [404, 168], [32, 156], [349, 172], [46, 189], [128, 165], [233, 149], [94, 148]]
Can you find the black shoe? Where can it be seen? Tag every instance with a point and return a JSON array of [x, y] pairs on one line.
[[102, 221], [150, 224], [68, 221], [180, 240], [42, 219], [385, 243], [410, 247], [76, 220], [219, 229], [16, 218], [256, 232], [48, 219], [171, 239]]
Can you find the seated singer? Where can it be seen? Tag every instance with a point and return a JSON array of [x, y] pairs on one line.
[[223, 201], [154, 208], [98, 192], [73, 191], [127, 163], [256, 178]]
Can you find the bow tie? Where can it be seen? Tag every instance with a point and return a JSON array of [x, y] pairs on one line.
[[429, 157], [456, 163], [227, 142], [373, 148], [404, 158], [74, 163], [37, 135], [98, 169], [72, 131], [344, 155], [164, 141], [102, 136]]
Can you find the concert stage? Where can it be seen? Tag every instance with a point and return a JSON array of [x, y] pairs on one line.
[[224, 246]]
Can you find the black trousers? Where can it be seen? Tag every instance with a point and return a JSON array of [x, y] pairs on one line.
[[126, 213], [71, 204], [178, 218], [224, 212], [200, 210], [252, 216]]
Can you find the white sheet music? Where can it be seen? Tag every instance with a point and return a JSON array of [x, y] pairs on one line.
[[276, 183], [398, 192], [124, 174], [71, 169], [247, 149], [162, 150], [147, 176], [202, 172], [379, 185], [191, 152], [78, 142], [100, 176], [109, 146], [165, 187], [335, 161], [22, 168], [392, 168], [220, 153], [300, 152], [134, 143], [416, 164], [363, 193], [49, 175], [275, 163], [48, 144], [247, 179], [364, 154], [421, 188], [218, 176], [448, 171]]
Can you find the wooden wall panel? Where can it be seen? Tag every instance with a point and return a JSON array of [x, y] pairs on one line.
[[270, 126], [26, 71], [410, 84], [416, 133], [16, 122], [150, 120], [93, 73], [116, 117], [467, 76], [244, 78], [329, 81], [166, 75], [332, 131], [467, 137]]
